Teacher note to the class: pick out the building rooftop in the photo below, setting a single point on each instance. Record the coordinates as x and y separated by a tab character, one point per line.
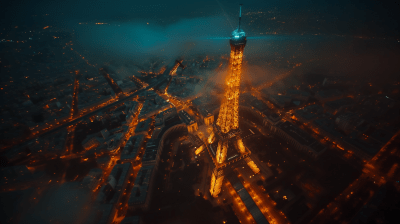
328	125
147	94
297	133
141	186
280	100
106	193
204	112
131	106
132	147
143	126
246	98
151	150
208	99
196	141
271	115
92	178
310	112
259	105
186	118
117	130
160	115
120	173
165	115
105	133
156	133
103	161
113	141
369	146
159	120
111	191
150	106
169	113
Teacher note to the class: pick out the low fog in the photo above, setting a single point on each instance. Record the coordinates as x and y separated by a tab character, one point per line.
132	46
343	38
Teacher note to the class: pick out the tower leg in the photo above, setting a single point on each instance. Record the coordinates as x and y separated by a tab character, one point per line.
221	151
211	138
216	182
240	145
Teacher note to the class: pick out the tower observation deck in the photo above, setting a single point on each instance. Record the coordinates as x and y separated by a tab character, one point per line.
226	133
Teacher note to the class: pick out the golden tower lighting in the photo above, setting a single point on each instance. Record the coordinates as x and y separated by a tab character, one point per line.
226	130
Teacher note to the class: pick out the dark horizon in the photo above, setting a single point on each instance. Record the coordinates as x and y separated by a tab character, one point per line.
155	113
365	18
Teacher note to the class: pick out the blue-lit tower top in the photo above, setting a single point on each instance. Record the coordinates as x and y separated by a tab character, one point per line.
238	35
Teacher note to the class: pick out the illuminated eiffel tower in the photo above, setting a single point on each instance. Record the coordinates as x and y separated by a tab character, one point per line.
225	144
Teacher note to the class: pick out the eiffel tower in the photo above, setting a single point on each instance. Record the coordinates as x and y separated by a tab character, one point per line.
225	145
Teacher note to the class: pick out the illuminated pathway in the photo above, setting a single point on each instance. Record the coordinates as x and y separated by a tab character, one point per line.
238	207
262	200
140	82
56	125
123	206
179	105
69	143
74	104
115	155
117	90
286	116
256	93
371	172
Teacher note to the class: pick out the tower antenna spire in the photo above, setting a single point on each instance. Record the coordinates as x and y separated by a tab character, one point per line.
226	132
240	15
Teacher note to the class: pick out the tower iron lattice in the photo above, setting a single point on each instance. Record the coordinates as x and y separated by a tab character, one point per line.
225	144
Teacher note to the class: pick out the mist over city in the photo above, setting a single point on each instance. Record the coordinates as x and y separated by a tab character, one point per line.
209	111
